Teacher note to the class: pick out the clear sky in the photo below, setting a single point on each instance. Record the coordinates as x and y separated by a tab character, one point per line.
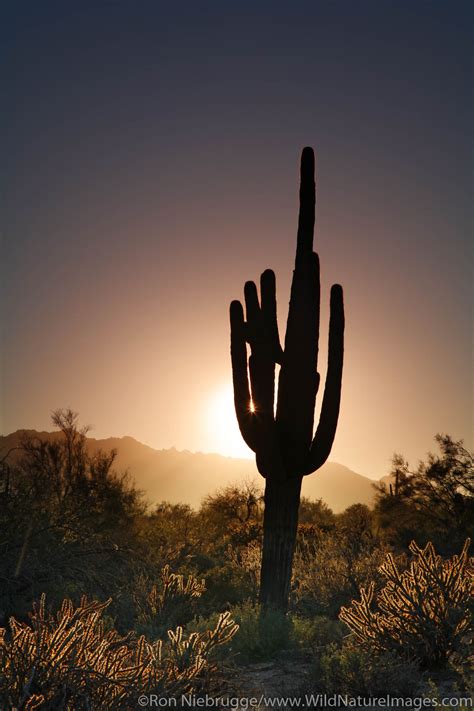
150	166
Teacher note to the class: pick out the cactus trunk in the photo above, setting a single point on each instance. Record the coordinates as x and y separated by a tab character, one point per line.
280	524
284	444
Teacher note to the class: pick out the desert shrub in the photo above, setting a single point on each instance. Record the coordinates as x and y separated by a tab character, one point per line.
69	661
356	671
165	603
171	534
318	633
235	503
315	513
262	635
246	563
434	502
227	585
231	516
67	521
330	567
422	612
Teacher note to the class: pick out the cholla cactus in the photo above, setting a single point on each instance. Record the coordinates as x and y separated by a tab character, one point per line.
71	662
164	603
422	612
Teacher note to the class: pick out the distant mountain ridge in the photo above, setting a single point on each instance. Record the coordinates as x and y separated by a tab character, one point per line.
187	477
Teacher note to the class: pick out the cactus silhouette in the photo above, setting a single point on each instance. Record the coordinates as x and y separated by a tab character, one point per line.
282	439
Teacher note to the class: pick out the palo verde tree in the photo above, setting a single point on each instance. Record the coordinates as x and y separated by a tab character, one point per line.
434	502
284	442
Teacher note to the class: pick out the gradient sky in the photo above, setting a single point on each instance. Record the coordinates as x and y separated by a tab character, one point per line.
150	160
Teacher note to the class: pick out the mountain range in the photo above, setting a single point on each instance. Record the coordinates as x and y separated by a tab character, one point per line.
187	477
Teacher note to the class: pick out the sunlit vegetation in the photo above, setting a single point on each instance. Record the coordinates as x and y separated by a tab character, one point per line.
421	612
161	604
128	598
74	661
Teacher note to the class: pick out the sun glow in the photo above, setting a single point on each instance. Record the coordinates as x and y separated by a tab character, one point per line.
222	424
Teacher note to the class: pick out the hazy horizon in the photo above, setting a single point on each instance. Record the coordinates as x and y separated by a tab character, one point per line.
165	474
151	162
250	457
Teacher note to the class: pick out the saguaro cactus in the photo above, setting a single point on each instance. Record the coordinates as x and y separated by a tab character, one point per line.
283	440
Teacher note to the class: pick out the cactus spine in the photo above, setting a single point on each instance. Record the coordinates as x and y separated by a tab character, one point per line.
284	445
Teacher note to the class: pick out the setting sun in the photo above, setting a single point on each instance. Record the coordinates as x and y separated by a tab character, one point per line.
222	424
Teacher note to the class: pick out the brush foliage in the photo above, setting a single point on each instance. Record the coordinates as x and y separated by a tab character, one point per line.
422	612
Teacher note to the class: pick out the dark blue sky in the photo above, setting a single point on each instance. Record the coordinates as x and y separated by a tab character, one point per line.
150	156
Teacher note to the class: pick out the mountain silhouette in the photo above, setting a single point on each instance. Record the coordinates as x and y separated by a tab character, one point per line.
187	477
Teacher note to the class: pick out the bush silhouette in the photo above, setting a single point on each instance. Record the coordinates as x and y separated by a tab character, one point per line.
67	521
434	502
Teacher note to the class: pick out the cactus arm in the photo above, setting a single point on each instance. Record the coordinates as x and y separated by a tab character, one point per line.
261	363
252	309
326	430
269	313
260	330
238	350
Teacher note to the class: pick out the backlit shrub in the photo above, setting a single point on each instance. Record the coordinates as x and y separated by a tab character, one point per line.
422	612
71	661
